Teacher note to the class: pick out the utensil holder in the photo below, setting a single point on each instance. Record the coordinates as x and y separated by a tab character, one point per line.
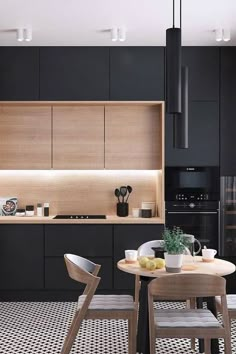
122	209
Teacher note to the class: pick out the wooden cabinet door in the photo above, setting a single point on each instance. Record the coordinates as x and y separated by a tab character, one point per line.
74	73
133	138
21	257
25	133
137	73
78	137
19	73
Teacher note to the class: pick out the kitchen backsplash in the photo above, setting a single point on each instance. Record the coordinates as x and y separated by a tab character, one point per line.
83	192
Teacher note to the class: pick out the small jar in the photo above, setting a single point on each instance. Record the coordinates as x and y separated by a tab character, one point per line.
39	209
29	210
20	212
46	209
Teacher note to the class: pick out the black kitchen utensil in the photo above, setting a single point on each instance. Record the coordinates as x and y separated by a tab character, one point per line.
123	192
117	194
129	189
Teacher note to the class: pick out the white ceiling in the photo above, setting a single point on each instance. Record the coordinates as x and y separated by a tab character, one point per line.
87	22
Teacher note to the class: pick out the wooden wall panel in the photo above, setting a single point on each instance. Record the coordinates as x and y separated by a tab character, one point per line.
25	133
78	137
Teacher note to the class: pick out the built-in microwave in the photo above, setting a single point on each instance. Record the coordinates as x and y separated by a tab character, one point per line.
192	183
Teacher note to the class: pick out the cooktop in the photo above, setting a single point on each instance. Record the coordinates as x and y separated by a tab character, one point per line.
78	216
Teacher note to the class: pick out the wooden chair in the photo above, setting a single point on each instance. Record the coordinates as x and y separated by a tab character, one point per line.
231	304
91	306
188	323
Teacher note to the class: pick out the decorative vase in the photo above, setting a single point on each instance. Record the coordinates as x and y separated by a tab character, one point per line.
173	262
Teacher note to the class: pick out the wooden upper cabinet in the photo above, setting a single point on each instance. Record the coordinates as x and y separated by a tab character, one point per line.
133	137
25	133
78	137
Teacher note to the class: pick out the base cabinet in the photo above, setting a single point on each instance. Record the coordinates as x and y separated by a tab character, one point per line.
21	257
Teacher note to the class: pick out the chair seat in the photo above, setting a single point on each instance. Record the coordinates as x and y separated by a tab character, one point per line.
109	302
187	318
231	302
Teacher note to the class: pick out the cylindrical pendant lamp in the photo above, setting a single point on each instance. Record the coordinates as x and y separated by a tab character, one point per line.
181	119
173	70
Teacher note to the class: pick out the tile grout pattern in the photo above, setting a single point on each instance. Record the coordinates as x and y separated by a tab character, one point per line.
40	327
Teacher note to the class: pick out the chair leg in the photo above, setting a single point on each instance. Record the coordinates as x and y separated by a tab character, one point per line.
227	341
72	333
207	345
132	330
192	305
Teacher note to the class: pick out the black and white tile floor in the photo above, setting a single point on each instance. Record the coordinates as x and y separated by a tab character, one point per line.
40	328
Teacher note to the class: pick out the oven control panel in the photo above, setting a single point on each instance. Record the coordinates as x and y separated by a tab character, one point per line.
192	196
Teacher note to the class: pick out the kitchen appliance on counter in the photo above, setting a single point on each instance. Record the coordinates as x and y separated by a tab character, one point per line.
192	197
78	216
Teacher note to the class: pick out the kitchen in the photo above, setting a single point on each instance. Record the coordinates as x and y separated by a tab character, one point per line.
44	84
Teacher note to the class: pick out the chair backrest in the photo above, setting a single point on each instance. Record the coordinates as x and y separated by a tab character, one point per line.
182	286
81	269
146	248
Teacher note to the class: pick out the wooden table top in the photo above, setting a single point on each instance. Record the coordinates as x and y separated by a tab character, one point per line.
217	267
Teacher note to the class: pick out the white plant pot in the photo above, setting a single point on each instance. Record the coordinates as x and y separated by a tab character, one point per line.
173	262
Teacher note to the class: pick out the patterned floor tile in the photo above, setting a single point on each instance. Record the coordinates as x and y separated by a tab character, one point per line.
40	328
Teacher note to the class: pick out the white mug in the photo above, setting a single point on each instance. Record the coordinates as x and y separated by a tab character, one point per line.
208	253
131	256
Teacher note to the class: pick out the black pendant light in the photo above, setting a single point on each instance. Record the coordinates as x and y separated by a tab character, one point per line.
181	119
173	66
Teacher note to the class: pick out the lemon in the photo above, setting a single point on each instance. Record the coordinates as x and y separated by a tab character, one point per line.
143	261
151	265
160	263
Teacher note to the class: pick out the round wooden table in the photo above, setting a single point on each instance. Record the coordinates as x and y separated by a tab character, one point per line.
217	267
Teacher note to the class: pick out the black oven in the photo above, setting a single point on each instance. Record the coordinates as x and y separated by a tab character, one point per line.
192	202
192	183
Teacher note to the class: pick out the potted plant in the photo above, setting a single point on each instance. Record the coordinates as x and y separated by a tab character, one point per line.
174	244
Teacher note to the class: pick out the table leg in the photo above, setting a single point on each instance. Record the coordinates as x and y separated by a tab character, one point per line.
143	323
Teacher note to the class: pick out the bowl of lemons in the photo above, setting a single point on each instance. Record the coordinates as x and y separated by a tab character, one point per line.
151	264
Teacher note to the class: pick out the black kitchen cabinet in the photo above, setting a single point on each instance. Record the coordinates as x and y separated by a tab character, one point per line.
137	73
19	73
74	73
203	64
21	257
203	137
131	237
227	112
84	240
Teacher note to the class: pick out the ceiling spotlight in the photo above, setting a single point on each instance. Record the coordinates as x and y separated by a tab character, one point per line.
114	34
219	34
28	34
122	34
226	34
20	34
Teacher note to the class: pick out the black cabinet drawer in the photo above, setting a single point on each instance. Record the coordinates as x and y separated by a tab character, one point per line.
131	237
57	278
19	73
21	257
83	240
74	73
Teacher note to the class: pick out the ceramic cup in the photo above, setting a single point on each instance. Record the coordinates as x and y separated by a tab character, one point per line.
131	256
135	212
208	254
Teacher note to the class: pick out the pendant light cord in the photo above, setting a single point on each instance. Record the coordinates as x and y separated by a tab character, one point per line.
173	13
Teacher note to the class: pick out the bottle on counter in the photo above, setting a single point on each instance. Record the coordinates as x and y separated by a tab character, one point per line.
39	209
46	209
29	210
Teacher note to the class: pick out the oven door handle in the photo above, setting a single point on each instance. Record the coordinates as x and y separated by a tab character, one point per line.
192	212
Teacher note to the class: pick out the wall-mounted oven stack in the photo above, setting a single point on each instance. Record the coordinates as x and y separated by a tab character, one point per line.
192	202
